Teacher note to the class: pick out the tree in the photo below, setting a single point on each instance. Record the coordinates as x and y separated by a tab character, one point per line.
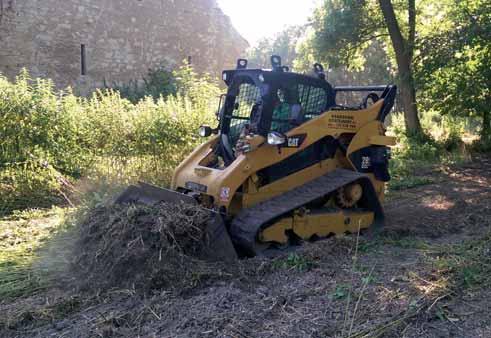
453	70
344	28
374	70
282	44
404	51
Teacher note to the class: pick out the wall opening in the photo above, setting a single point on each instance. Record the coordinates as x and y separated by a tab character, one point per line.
83	60
1	10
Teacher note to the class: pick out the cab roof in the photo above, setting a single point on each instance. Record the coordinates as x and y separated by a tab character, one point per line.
276	77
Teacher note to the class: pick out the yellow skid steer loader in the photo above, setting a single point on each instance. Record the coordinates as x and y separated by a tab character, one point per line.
286	162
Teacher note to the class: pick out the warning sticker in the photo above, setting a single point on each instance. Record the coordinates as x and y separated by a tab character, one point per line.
225	194
339	121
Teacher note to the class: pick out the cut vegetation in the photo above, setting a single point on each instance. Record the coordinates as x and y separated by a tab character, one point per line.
142	247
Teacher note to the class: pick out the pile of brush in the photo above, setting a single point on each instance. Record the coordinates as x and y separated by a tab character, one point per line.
143	247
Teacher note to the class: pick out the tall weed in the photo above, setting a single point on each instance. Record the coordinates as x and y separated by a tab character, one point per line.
442	142
50	137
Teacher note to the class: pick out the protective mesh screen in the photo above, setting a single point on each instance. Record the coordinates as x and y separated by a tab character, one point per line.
350	99
313	100
248	95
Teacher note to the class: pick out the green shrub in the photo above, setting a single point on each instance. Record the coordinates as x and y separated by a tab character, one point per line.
162	82
412	148
481	146
28	184
441	142
36	122
51	137
157	82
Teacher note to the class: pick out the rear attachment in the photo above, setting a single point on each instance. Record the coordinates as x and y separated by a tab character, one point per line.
220	247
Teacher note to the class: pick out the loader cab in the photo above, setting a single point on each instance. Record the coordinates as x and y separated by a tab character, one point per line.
260	101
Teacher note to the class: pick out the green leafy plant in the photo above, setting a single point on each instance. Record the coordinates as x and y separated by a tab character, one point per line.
340	292
417	154
52	139
294	261
158	82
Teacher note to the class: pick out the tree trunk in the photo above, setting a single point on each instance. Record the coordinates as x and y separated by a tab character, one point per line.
408	98
404	51
486	126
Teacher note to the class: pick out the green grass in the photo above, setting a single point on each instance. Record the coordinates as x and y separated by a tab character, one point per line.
404	242
407	182
407	243
467	264
294	261
21	236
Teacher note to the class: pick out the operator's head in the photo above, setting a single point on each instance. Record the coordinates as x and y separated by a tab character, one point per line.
282	95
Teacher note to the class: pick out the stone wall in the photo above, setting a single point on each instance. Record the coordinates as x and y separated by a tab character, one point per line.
122	38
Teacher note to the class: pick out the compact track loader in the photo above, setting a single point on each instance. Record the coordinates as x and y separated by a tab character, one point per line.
286	162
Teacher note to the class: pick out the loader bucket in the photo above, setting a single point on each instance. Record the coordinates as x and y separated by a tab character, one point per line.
219	248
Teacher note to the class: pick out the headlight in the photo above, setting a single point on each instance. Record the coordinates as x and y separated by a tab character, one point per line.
276	139
205	131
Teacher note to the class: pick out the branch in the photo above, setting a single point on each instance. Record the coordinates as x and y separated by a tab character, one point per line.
363	41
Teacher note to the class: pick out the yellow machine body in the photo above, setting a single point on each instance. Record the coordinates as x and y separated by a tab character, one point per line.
251	174
222	184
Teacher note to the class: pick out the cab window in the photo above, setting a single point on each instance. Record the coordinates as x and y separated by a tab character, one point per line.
248	96
296	104
313	100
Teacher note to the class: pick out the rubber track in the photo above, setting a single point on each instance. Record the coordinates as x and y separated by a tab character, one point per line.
247	224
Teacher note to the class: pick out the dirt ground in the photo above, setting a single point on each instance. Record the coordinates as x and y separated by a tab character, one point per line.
391	285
